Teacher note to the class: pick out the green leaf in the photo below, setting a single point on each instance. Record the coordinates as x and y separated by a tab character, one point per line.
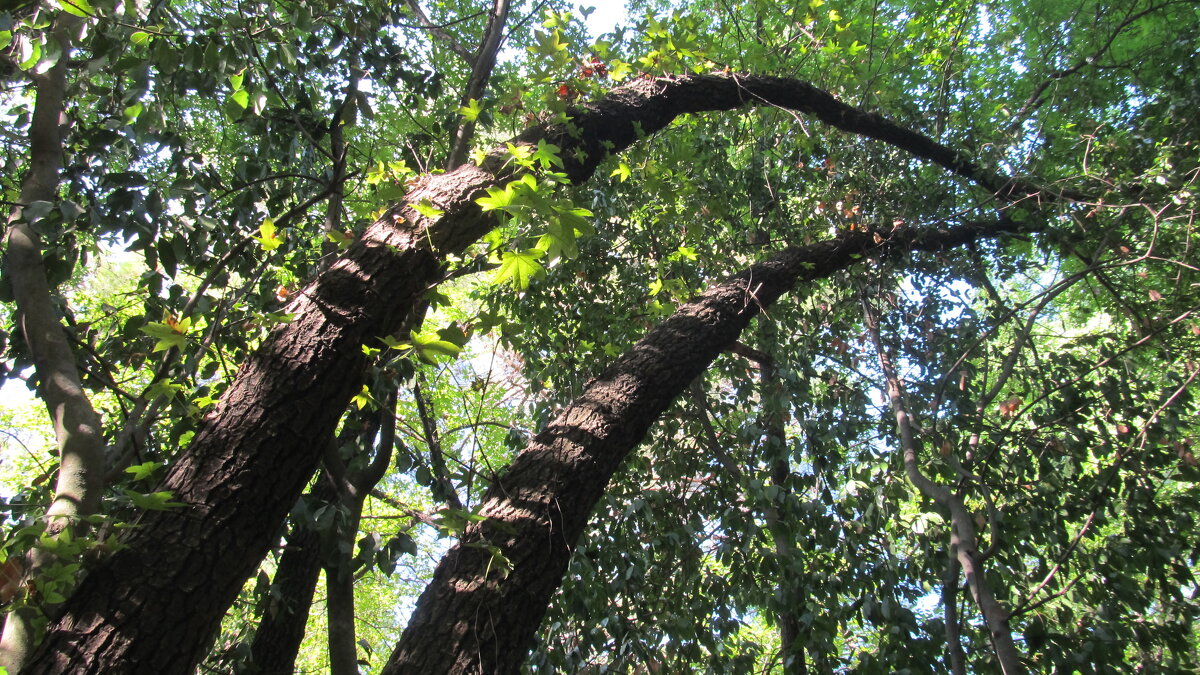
520	267
547	154
168	335
163	389
432	348
498	198
619	71
470	112
342	239
622	172
559	239
241	98
139	38
77	7
549	44
274	318
364	399
521	153
393	343
684	252
267	236
155	501
235	81
29	55
427	209
144	470
130	114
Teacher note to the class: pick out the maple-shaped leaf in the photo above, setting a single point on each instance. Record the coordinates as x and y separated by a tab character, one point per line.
267	235
520	267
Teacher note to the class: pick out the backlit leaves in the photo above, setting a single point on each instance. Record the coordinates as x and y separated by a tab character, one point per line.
520	267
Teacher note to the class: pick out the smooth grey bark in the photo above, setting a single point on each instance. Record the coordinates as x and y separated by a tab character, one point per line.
481	73
77	426
964	540
156	603
277	639
792	651
352	489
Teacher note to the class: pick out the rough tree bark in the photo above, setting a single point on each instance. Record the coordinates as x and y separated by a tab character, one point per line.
155	604
77	427
475	617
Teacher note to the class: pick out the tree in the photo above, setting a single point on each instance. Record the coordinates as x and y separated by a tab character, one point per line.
1047	428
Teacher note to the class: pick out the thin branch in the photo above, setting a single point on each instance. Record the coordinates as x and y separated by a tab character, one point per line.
1035	99
481	73
415	514
446	39
437	460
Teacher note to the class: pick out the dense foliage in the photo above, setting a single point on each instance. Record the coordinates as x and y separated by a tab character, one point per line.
802	506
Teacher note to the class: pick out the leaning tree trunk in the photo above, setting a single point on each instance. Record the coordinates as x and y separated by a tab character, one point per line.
490	591
77	426
154	605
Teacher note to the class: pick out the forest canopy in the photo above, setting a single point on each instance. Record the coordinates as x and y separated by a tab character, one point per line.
784	337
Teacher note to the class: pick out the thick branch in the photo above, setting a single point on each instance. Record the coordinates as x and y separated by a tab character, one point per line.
476	616
277	640
958	659
157	601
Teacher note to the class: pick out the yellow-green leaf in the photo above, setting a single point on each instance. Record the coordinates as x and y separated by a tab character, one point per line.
470	112
241	97
267	236
520	267
427	209
77	7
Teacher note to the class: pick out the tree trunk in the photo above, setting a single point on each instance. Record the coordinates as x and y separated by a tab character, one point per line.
773	422
490	591
964	545
481	73
77	426
963	538
155	604
277	640
958	658
339	601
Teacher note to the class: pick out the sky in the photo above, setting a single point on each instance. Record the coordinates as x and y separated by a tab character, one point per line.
604	16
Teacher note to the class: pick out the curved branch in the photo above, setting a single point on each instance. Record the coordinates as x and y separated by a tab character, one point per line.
474	616
256	450
963	537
